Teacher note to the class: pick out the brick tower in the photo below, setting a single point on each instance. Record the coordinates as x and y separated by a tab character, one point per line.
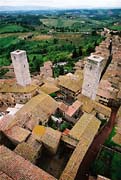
92	73
21	67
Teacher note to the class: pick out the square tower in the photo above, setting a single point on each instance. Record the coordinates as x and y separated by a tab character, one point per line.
92	74
21	67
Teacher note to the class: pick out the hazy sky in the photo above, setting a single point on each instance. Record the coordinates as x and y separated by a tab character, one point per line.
63	3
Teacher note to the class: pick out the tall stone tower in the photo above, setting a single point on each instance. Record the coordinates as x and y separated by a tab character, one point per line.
21	67
92	73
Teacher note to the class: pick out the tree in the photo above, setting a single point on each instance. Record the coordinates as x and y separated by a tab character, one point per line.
61	70
80	51
35	64
74	53
94	33
55	41
2	72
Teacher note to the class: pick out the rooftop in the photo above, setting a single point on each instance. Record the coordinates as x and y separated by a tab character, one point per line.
28	152
71	82
106	90
49	88
85	122
18	52
37	110
17	134
88	104
12	87
17	167
117	138
70	110
73	108
4	176
95	58
49	137
75	160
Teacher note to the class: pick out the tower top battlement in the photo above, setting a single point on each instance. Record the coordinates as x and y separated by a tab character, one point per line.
95	58
17	52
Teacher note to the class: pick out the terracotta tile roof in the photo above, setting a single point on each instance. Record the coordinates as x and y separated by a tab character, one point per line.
118	121
11	87
88	104
49	88
77	104
17	134
50	80
104	93
119	94
106	90
117	138
17	167
70	110
63	107
49	137
69	140
75	160
38	109
4	176
102	109
119	113
33	142
5	122
73	108
71	82
51	140
86	121
28	152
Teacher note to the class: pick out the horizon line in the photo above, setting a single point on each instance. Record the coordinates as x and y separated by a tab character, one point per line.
57	8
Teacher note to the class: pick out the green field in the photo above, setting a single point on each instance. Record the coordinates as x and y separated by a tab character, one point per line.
59	22
7	41
116	28
68	24
12	28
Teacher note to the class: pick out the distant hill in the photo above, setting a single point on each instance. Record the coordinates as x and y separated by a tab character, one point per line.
23	8
28	8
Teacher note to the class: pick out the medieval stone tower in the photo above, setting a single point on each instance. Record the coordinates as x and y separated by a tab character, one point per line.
21	67
92	73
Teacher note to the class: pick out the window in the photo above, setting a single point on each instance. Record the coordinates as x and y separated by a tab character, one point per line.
90	67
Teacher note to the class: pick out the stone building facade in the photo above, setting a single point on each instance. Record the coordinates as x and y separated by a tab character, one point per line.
92	73
21	67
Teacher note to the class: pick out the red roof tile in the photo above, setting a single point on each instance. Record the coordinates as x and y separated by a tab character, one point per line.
17	134
4	176
18	168
73	108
